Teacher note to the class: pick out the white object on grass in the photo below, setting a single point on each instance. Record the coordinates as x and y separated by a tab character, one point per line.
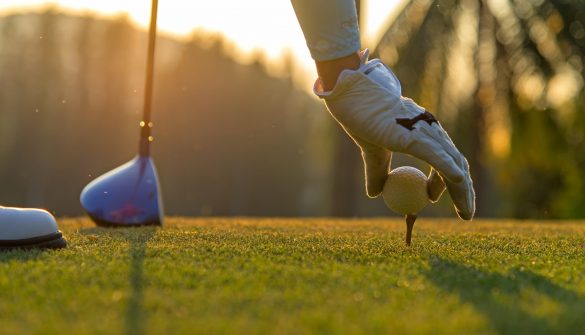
28	228
405	191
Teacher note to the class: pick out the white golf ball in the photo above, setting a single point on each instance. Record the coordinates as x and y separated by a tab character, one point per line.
405	190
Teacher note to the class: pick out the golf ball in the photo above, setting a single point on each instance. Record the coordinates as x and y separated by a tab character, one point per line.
405	190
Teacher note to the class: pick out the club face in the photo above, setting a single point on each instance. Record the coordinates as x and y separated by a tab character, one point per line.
126	196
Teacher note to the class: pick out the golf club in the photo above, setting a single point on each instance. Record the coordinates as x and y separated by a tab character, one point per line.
130	194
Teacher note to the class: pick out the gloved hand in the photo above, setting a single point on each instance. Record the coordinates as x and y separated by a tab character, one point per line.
368	104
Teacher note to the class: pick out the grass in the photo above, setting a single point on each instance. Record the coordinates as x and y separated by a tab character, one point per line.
299	276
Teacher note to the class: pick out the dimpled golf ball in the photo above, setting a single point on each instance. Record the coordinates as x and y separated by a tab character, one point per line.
405	190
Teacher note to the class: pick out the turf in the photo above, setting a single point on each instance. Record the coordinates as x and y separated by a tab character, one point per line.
301	276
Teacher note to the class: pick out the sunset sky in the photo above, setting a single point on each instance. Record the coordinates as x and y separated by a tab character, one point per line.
252	24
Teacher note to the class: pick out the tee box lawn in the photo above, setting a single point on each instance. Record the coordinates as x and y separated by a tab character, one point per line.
300	276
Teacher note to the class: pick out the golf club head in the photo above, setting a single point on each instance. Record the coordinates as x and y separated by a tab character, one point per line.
126	196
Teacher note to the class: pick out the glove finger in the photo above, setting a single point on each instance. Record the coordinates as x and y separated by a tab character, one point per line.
430	151
462	193
376	164
457	180
435	185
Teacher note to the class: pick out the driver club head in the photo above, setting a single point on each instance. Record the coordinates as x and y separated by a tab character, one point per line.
126	196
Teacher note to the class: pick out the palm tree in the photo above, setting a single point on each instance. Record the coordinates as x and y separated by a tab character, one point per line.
506	77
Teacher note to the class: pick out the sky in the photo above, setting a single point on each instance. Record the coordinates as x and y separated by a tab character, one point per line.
267	25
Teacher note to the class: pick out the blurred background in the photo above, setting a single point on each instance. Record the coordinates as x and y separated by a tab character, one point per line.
237	131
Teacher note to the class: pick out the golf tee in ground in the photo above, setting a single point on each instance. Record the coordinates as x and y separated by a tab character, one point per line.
410	219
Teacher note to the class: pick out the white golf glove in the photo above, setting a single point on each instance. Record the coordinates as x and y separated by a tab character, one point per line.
368	104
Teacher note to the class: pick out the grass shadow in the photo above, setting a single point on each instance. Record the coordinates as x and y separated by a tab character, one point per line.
138	238
135	315
500	297
135	312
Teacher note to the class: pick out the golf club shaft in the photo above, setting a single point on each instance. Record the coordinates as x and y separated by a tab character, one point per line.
146	124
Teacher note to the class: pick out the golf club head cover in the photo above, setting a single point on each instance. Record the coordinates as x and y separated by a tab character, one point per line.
369	105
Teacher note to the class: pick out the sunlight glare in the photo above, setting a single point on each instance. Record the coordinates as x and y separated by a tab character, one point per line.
253	25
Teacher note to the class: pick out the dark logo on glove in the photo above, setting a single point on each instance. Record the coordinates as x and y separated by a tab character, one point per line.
409	123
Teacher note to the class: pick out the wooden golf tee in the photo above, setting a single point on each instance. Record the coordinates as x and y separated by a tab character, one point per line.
409	224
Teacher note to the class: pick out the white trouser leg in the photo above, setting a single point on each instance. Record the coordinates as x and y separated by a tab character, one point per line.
330	27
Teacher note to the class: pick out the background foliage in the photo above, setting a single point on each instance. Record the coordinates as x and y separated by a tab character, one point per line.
505	77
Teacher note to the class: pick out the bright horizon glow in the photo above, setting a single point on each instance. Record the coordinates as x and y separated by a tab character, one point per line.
246	23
